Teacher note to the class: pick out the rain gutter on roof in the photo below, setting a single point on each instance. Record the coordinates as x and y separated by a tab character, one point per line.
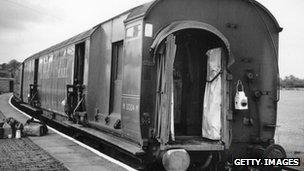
73	40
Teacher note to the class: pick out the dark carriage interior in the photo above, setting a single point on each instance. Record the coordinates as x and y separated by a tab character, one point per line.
189	74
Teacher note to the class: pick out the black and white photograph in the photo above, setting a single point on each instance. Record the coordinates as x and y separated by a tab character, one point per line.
151	85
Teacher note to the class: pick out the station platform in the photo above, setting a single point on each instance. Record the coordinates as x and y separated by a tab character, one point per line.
50	152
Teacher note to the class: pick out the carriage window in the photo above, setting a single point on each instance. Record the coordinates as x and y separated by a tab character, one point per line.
117	61
133	32
116	77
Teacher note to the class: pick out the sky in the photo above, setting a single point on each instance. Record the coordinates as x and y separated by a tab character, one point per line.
29	26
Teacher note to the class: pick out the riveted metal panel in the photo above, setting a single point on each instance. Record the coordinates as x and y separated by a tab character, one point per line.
99	71
55	72
18	82
28	78
132	81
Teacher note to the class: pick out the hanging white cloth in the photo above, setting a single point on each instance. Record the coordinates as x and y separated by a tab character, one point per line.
164	98
172	132
211	124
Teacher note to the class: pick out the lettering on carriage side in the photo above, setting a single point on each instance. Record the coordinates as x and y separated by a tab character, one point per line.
130	107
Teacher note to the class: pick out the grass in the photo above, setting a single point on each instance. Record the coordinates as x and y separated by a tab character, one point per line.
290	121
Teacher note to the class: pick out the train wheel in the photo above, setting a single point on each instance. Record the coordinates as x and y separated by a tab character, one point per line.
274	151
217	163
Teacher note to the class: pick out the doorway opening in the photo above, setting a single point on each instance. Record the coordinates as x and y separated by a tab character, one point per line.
116	78
75	96
189	79
189	62
79	63
34	96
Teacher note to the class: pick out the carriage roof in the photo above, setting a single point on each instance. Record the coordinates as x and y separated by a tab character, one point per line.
139	11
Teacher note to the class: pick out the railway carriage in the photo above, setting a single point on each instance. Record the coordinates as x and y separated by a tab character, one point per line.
160	81
6	85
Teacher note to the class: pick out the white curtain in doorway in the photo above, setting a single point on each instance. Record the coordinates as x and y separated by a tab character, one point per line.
164	97
211	124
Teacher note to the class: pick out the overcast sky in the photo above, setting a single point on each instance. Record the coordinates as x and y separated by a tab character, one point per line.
28	26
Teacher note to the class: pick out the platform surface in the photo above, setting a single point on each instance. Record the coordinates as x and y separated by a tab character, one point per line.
24	154
70	154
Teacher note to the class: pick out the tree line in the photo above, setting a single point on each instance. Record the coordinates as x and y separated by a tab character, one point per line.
8	70
291	82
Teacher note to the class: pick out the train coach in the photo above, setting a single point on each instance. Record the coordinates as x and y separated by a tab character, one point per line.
6	85
183	83
6	82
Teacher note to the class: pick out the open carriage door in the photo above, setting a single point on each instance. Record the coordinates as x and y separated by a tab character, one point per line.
214	99
164	97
